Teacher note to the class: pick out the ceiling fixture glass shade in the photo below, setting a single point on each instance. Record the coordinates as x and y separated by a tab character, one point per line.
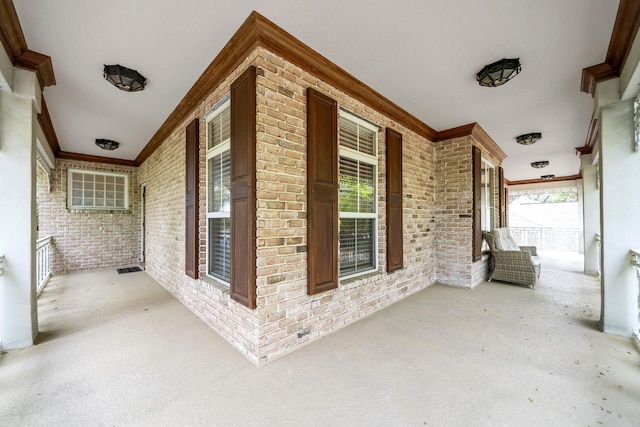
540	164
124	78
529	138
107	144
499	72
547	177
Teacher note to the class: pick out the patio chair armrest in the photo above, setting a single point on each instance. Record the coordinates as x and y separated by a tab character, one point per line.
518	256
531	249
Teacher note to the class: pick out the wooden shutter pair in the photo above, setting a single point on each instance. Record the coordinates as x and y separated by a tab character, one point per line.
243	191
322	194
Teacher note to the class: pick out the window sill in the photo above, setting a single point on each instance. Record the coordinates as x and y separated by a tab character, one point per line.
352	282
209	284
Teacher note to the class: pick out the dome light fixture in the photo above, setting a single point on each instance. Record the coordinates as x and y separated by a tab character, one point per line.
541	164
498	73
528	138
124	78
107	144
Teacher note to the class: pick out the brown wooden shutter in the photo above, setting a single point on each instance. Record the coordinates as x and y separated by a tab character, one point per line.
322	192
502	221
192	197
477	203
243	188
394	201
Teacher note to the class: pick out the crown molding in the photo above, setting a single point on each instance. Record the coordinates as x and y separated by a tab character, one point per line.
476	132
47	128
95	159
258	31
624	32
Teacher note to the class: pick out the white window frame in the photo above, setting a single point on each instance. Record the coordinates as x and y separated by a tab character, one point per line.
213	152
95	173
369	159
489	202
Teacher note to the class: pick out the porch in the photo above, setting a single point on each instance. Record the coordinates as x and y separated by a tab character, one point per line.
119	349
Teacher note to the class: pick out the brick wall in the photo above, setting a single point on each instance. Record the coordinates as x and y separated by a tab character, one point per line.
284	308
164	176
454	213
88	239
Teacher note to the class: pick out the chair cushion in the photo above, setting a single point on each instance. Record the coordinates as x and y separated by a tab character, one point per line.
504	241
535	260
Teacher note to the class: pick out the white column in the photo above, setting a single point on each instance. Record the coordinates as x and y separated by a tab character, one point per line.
619	208
18	121
591	217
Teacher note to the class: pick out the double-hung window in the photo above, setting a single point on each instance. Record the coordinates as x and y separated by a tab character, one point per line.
219	193
357	196
487	195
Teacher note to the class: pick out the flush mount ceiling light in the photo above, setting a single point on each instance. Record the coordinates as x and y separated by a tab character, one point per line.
498	73
529	138
107	144
124	78
547	177
540	164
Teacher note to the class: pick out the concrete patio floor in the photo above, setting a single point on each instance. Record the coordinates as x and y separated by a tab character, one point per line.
118	350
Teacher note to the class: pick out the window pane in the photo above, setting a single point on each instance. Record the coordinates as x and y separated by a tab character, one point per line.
357	186
220	248
348	191
357	245
366	188
366	141
220	183
348	133
219	129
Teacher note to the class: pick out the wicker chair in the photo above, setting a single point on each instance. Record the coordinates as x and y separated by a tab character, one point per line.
521	265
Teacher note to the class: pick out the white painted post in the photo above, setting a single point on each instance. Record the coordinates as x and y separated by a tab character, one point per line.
619	207
18	121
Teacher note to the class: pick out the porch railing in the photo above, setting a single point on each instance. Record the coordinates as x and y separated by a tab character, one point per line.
559	239
43	266
635	261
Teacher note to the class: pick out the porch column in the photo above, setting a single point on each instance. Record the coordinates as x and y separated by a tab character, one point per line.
591	216
18	122
619	208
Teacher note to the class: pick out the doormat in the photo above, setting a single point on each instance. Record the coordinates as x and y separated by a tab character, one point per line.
128	270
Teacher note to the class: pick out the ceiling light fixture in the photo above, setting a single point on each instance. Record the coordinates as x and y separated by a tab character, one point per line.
540	164
529	138
547	177
107	144
124	78
499	72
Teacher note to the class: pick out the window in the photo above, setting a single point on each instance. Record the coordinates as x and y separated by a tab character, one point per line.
97	190
487	195
357	195
219	193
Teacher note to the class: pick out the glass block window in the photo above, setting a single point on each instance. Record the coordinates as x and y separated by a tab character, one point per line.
88	189
219	193
357	196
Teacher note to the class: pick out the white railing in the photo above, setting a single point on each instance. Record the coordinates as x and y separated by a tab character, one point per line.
43	266
635	261
559	239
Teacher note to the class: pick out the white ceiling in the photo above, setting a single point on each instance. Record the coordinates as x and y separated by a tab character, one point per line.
422	55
